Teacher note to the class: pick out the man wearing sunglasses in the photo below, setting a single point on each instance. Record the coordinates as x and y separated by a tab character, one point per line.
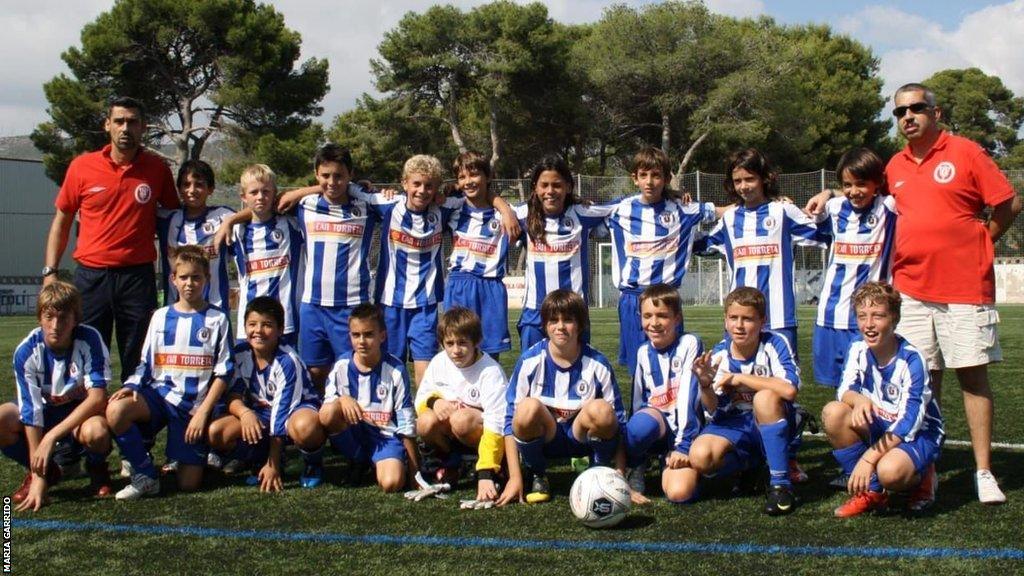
944	185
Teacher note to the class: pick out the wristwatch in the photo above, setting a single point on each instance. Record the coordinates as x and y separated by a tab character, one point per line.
48	270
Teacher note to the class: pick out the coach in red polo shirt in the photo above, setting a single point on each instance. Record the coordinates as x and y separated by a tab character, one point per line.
115	191
943	258
943	261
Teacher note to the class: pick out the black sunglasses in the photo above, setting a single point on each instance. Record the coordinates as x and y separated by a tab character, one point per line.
916	108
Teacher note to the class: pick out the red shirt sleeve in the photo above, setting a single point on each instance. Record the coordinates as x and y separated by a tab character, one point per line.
68	199
995	188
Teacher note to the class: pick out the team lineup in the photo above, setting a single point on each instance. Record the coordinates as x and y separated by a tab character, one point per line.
317	353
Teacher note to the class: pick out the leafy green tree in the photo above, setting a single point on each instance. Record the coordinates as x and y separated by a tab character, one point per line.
200	67
383	133
979	107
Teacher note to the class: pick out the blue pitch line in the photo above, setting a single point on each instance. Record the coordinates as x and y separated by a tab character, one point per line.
457	542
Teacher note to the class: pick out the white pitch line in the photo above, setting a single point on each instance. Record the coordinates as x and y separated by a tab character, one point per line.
995	445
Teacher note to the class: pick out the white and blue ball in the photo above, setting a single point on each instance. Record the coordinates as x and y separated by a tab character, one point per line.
599	497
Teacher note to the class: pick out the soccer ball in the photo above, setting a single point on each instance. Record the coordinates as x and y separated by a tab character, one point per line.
600	497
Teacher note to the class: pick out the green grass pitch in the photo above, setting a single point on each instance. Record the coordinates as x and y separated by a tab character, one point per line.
215	526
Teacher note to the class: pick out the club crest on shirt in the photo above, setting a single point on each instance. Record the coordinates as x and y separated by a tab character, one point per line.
944	172
356	212
769	223
277	236
892	392
667	218
473	393
143	193
208	228
677	364
431	218
73	371
493	225
382	391
567	222
203	334
871	221
760	370
582	387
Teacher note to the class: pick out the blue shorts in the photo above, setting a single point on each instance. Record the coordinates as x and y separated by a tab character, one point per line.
488	298
365	439
740	429
323	333
531	329
163	415
923	451
829	349
411	331
565	444
631	332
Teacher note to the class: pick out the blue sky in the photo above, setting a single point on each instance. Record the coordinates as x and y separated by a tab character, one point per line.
913	39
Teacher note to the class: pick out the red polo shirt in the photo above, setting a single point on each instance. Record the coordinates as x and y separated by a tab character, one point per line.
117	206
943	250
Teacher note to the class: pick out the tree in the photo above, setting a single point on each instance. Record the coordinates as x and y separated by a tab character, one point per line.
200	67
979	107
383	133
476	71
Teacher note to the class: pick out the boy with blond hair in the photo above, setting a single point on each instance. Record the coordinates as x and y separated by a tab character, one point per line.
266	251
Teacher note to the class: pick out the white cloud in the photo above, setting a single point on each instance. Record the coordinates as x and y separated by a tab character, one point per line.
347	33
912	48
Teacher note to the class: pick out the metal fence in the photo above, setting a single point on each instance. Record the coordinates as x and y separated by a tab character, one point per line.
28	207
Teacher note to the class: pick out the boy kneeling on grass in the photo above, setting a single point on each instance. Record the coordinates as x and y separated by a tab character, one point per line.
885	427
272	403
460	404
185	369
368	412
62	369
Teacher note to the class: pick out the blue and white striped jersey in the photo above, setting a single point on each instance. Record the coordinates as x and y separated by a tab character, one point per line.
383	393
46	378
562	260
563	390
183	353
652	243
281	387
664	380
175	229
861	252
410	272
337	249
773	359
900	391
479	242
758	246
267	255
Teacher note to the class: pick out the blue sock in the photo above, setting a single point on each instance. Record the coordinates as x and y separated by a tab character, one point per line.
874	485
94	458
532	452
314	458
17	451
603	451
775	437
642	431
134	451
849	456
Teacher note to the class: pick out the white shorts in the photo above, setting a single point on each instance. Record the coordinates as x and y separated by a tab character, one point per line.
951	335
